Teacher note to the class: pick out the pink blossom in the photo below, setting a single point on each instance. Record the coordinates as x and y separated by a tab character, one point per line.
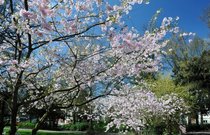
1	62
39	33
81	6
1	2
27	14
12	69
68	11
14	62
109	8
46	26
24	65
45	10
128	42
73	27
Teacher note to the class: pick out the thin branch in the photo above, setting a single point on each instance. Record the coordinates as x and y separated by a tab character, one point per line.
63	38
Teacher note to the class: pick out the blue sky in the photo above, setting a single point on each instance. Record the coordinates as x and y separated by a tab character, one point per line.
189	12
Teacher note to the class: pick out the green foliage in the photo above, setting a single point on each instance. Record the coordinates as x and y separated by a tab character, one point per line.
195	72
182	57
99	126
26	124
190	62
78	126
83	126
58	133
163	84
179	50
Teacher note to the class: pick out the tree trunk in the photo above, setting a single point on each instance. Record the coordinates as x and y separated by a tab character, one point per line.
90	128
15	106
201	119
51	123
197	119
30	118
13	128
189	120
1	128
39	123
74	117
2	114
169	127
136	133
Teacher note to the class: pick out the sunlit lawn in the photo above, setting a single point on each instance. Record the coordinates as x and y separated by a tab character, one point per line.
44	132
49	132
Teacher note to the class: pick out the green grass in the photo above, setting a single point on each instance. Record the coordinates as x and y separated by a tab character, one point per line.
49	132
44	132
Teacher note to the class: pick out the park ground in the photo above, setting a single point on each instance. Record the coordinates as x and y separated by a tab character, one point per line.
51	132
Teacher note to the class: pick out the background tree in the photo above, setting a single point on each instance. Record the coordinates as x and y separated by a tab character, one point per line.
206	16
169	87
181	51
195	72
181	47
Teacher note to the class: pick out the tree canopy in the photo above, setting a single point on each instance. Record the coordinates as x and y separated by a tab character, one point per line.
53	50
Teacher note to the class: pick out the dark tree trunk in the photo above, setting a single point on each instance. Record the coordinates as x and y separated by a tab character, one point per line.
2	114
189	120
1	128
169	127
39	123
30	118
15	105
74	117
197	119
49	126
201	119
90	128
13	128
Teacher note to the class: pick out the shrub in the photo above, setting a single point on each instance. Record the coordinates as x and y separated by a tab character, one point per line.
78	126
26	124
81	126
99	126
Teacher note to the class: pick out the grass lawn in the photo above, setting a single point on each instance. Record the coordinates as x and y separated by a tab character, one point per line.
50	132
45	132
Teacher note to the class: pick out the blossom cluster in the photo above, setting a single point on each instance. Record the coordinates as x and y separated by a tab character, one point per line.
131	107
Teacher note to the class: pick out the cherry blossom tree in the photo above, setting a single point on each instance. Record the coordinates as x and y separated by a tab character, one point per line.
134	108
52	50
